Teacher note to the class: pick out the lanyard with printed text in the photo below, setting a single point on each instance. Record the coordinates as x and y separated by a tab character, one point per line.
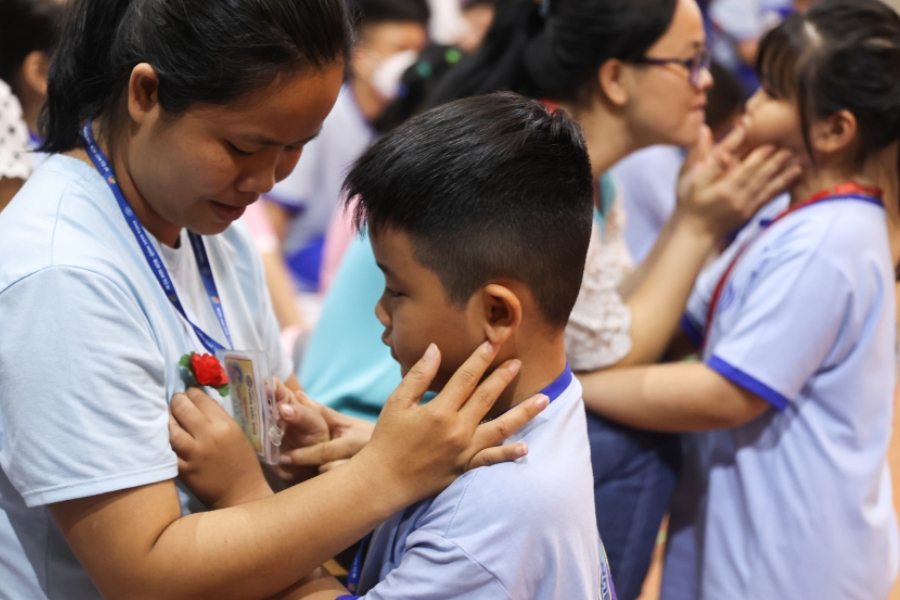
153	259
846	191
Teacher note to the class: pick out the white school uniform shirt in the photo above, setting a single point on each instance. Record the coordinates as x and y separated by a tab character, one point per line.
797	503
525	529
89	350
314	186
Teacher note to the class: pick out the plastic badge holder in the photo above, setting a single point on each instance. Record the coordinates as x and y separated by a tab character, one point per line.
252	393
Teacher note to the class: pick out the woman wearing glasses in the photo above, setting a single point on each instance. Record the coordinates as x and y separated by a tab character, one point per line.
633	73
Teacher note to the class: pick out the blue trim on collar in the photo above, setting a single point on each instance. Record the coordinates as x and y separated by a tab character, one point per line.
559	384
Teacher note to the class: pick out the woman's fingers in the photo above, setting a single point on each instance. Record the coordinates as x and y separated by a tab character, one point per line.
482	399
489	435
320	454
416	382
459	389
185	411
493	433
500	454
180	440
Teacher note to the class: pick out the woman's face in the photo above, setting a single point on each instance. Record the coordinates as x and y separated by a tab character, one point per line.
663	106
201	169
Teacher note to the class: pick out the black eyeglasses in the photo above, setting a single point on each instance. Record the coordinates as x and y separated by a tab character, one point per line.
695	64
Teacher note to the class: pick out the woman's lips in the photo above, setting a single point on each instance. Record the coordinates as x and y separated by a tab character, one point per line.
227	212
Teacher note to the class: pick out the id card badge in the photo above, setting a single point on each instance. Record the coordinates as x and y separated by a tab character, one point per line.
252	393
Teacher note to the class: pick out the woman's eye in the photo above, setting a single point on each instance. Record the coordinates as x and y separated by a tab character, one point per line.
237	150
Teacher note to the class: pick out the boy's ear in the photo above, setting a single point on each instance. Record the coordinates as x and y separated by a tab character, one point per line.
834	133
502	312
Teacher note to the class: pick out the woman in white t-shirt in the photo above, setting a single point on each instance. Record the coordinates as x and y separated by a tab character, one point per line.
166	119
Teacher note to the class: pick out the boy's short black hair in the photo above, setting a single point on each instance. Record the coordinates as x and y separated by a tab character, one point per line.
486	187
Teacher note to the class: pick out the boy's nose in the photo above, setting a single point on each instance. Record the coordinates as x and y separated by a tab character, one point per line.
381	313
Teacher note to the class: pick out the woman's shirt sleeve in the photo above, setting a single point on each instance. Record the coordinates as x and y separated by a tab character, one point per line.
83	391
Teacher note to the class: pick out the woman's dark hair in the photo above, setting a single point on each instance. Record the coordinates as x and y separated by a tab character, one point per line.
26	26
841	55
555	47
204	51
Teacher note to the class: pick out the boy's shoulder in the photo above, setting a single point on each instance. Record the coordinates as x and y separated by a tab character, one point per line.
508	520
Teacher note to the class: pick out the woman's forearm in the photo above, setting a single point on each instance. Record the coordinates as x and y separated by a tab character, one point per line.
658	291
249	551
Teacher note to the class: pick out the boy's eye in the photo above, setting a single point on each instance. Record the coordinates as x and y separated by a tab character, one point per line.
392	293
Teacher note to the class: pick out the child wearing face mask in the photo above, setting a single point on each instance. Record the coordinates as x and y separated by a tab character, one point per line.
390	35
786	491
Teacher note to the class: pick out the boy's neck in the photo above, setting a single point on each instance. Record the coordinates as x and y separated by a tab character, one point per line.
541	365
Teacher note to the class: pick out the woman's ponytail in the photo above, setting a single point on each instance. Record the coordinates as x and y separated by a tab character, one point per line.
82	82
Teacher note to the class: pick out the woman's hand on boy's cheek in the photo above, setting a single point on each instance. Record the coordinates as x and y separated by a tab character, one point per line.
215	458
348	435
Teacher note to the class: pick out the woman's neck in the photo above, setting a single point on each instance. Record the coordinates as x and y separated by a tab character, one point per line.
608	137
167	233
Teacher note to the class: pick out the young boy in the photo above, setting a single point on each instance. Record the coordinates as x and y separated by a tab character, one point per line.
479	214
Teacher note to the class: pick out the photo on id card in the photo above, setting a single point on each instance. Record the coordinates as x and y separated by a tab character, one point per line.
252	393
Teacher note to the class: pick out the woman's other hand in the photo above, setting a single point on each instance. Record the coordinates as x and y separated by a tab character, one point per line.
215	458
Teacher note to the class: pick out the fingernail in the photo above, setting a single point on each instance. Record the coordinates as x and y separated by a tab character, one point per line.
487	347
520	450
542	401
514	366
431	353
285	459
286	410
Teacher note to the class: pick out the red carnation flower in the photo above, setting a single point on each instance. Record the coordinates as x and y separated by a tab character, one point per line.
205	369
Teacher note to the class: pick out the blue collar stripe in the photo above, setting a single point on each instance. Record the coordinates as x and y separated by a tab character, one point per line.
153	259
559	385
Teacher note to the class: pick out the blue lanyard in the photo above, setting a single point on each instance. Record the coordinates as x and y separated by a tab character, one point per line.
153	259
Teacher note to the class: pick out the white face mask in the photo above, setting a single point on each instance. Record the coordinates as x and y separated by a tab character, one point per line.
386	76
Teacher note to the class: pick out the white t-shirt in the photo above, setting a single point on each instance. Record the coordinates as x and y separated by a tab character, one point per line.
797	503
15	160
89	351
314	187
525	529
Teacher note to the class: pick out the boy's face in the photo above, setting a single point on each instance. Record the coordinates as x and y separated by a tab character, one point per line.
415	311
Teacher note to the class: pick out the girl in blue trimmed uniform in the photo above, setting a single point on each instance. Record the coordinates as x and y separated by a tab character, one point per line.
786	491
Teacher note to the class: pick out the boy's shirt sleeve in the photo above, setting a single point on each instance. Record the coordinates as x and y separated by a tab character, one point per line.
434	568
772	337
